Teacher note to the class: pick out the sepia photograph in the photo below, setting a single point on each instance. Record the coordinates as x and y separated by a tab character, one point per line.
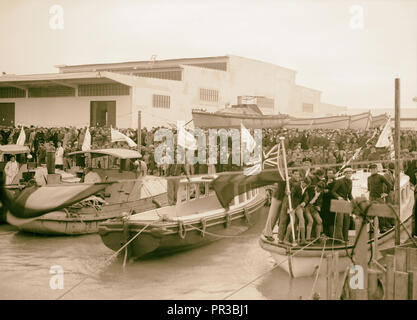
208	154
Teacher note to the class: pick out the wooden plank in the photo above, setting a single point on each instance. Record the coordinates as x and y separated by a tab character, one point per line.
411	258
389	277
400	259
376	210
373	283
329	260
361	257
335	275
341	206
412	284
401	285
381	210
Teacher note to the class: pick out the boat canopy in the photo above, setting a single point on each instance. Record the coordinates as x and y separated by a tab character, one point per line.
117	153
13	149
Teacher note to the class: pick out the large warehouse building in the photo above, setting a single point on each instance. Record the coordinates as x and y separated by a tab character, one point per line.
164	90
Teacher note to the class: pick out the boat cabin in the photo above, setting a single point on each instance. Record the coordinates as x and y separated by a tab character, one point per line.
200	188
110	164
197	198
20	152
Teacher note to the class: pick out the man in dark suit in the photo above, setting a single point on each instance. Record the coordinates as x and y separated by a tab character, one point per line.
327	216
376	184
342	190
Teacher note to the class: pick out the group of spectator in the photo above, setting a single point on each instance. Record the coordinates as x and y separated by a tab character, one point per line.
319	146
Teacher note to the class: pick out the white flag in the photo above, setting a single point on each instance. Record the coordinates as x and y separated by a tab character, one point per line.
253	170
385	139
247	139
22	138
87	141
118	136
185	139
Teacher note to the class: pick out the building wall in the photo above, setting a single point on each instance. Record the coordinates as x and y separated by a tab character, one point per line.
66	111
257	78
331	109
305	95
244	77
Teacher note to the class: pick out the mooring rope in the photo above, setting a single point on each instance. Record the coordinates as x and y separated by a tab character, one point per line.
265	273
318	270
109	259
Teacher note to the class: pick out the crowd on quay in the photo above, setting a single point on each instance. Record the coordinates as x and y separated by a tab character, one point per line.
330	146
311	188
319	146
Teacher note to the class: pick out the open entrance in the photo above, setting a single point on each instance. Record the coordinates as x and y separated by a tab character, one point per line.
7	114
102	113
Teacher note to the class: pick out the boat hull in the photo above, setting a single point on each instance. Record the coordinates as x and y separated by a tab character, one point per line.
305	263
170	236
87	220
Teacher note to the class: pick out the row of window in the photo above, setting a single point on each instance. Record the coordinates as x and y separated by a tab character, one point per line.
162	101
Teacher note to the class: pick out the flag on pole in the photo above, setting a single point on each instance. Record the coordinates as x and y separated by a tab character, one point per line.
249	144
87	141
118	136
369	122
229	186
22	138
185	138
247	139
385	139
35	201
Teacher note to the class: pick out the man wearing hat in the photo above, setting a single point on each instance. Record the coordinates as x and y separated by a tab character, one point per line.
342	190
376	183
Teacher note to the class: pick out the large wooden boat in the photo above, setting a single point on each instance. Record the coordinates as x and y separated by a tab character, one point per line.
251	117
131	193
301	261
248	115
198	218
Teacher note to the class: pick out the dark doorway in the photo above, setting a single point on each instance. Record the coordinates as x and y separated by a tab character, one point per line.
102	113
7	114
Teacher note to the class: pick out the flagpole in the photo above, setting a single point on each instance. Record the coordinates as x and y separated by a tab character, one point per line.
139	134
288	190
397	157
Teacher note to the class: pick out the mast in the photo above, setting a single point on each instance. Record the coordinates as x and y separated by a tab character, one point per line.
288	190
139	131
397	159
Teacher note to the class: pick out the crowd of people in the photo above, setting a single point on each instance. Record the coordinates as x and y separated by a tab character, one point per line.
311	192
311	189
330	146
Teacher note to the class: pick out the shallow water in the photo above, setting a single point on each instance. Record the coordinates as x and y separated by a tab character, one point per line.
214	271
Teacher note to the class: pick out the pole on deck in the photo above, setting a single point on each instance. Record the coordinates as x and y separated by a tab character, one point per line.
397	158
139	130
288	190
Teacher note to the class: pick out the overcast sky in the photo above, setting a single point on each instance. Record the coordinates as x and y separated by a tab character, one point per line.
320	39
